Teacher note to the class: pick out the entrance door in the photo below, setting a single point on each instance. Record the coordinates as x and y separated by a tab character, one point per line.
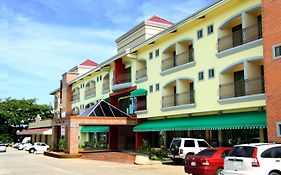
239	83
237	35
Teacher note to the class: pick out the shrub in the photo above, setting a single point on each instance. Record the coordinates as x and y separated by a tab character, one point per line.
145	147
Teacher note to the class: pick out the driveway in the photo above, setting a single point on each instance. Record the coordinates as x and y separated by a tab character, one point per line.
15	162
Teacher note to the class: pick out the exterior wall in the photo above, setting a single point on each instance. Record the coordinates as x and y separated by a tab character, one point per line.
40	124
272	36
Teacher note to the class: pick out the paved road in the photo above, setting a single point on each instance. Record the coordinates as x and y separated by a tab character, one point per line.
15	162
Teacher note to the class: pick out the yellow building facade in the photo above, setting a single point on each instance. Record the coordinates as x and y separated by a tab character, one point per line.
209	64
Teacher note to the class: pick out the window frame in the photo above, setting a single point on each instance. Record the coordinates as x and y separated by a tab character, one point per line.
157	87
278	129
150	55
211	25
273	51
199	73
199	31
150	88
212	69
157	53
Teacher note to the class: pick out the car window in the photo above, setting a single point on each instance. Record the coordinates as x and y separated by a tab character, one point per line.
272	153
176	143
206	152
224	153
242	151
189	143
203	144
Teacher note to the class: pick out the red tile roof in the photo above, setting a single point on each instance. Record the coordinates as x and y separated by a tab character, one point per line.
89	63
159	20
33	131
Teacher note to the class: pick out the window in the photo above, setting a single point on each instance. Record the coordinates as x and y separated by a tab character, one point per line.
203	144
150	88
277	51
224	153
210	29
98	79
278	129
157	87
242	151
201	76
272	153
206	152
157	53
211	73
189	143
199	34
150	55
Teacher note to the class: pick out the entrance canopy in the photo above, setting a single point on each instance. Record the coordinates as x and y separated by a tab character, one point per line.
249	120
103	108
44	131
94	129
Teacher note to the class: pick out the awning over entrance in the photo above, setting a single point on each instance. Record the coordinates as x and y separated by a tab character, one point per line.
138	92
44	131
94	129
105	109
248	120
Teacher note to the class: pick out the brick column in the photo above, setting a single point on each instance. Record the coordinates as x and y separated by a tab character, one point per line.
72	131
55	135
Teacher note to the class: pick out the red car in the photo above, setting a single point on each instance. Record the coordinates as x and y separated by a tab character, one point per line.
207	162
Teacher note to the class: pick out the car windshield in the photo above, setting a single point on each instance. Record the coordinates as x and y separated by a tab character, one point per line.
242	151
206	152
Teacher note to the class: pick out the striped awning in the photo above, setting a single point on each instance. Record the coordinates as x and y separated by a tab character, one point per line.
44	131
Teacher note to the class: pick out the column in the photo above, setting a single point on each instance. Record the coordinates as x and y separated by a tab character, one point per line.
220	135
261	135
72	131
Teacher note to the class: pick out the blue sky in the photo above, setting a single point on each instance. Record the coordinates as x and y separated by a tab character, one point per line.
42	39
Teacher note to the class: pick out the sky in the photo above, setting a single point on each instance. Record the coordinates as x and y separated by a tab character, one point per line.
42	39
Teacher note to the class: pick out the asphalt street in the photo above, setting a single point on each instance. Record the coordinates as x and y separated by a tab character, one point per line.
15	162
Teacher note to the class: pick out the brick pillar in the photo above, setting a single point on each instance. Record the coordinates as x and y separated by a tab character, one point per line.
56	134
271	15
72	131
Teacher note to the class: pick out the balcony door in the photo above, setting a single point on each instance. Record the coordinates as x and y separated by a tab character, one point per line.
237	35
239	85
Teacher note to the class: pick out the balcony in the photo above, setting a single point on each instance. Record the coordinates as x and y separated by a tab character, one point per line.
141	73
105	86
122	81
240	37
175	61
90	92
242	88
75	98
178	99
141	105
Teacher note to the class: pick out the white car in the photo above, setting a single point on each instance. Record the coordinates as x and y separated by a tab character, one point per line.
38	147
22	146
2	147
182	147
253	159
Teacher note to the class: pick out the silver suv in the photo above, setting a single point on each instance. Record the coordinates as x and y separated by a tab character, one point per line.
180	148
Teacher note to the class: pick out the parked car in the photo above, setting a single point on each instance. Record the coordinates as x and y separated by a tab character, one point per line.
38	147
22	146
180	148
257	159
207	162
2	147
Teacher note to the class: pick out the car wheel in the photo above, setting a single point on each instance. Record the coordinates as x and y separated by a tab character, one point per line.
32	150
273	173
219	171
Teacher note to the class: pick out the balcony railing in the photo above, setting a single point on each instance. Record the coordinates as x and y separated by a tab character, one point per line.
90	92
178	60
105	85
178	99
124	78
141	73
141	105
240	37
75	97
242	88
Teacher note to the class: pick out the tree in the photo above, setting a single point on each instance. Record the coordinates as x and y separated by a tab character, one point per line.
14	114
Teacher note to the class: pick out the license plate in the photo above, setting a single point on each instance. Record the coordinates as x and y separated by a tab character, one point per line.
237	164
193	164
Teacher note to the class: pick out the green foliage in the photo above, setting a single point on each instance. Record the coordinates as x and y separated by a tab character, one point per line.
90	144
62	144
145	148
14	114
5	138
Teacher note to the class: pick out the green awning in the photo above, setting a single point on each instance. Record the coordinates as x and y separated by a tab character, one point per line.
94	129
247	120
138	92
